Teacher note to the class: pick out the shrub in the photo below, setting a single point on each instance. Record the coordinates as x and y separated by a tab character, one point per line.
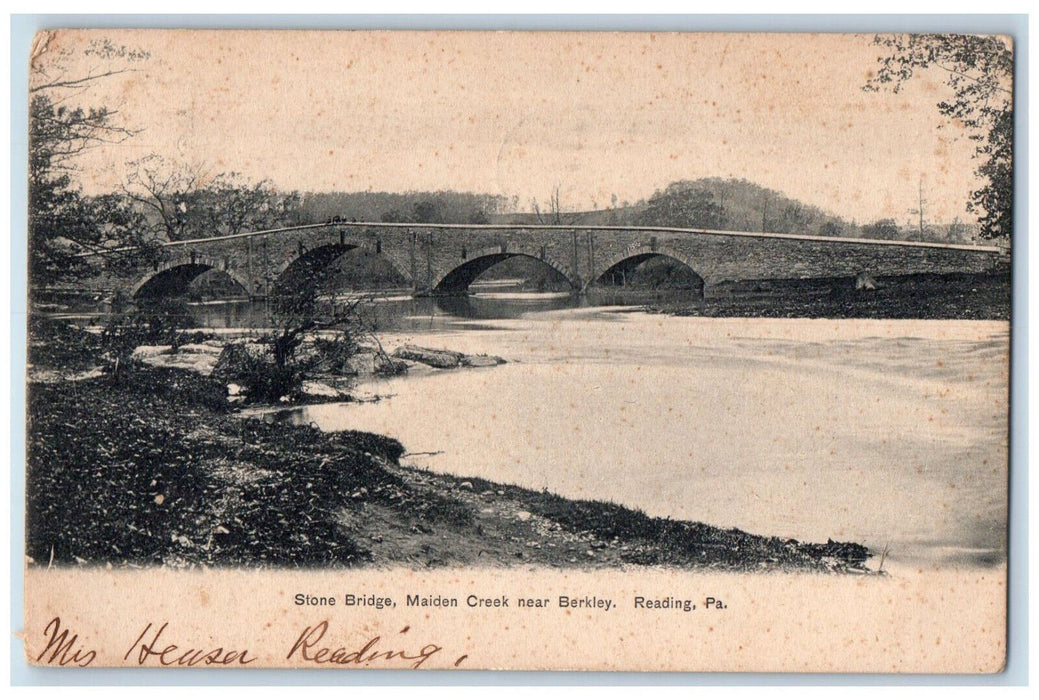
55	344
334	354
267	381
153	322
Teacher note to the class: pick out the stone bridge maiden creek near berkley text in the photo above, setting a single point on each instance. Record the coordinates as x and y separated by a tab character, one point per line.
447	258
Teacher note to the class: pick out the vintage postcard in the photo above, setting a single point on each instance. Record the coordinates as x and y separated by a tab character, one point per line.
518	350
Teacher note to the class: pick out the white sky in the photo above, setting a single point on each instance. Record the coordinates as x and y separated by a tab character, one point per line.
518	114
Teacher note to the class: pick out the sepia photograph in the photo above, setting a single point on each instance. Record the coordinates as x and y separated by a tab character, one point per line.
518	350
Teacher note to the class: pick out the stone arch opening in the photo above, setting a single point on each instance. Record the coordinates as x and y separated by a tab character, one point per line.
652	270
321	263
458	279
175	280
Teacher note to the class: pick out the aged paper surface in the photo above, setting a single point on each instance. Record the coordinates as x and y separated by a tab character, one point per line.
527	351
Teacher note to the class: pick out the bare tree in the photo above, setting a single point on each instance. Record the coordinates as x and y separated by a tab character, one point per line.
168	192
554	215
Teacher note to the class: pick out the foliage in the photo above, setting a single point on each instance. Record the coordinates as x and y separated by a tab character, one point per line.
979	71
334	353
62	223
302	304
794	217
59	345
831	228
884	229
233	204
683	204
154	322
407	207
124	232
267	382
166	191
438	209
994	202
181	201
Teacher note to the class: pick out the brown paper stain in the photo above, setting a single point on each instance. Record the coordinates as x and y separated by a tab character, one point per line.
39	45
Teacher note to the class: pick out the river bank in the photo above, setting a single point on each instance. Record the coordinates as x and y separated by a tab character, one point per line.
156	468
961	295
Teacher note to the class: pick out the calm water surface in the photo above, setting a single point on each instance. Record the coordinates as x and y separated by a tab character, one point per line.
890	433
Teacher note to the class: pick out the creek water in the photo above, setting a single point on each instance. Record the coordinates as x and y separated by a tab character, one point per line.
888	433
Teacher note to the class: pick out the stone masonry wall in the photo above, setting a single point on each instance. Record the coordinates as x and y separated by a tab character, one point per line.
425	256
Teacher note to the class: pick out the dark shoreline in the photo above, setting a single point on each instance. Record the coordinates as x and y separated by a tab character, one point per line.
922	296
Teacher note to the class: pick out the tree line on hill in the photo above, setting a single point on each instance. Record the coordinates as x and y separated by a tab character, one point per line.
731	204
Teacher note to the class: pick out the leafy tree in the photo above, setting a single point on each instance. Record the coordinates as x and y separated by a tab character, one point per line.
452	207
831	228
62	223
393	216
181	204
301	305
885	229
157	322
979	71
794	217
427	212
113	217
233	204
683	204
286	209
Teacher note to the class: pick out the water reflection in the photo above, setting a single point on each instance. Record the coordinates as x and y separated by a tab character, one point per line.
390	310
399	311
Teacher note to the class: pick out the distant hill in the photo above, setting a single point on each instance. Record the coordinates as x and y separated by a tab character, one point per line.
741	205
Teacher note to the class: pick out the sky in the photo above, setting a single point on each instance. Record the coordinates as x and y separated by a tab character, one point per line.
606	118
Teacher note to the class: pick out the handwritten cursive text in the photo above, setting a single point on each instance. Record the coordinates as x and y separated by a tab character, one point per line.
175	655
308	648
63	648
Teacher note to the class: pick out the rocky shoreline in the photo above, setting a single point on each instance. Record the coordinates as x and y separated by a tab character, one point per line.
961	295
329	380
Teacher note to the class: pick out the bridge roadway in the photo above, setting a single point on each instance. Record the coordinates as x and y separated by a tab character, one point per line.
446	258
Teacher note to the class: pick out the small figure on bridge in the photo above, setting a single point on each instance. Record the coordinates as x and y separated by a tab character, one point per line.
865	281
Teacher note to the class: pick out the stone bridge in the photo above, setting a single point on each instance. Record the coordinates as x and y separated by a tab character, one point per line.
446	258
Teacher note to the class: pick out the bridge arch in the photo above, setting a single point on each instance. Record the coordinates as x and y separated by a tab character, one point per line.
174	277
457	279
626	261
309	262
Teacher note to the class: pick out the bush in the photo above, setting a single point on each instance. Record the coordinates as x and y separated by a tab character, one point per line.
154	322
266	381
61	345
334	354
